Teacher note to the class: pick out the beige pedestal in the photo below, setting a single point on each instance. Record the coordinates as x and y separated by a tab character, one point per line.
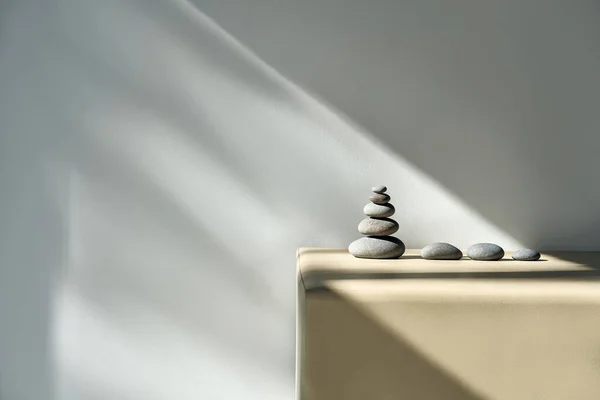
416	329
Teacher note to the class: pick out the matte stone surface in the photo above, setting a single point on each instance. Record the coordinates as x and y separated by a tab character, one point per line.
526	255
377	247
379	189
379	210
485	252
441	251
379	198
377	226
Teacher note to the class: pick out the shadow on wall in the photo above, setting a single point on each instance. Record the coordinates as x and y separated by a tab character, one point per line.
33	221
32	242
498	101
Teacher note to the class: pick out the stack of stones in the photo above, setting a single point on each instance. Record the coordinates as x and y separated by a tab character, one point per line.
377	229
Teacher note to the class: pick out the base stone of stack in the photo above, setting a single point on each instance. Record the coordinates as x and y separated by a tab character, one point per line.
377	247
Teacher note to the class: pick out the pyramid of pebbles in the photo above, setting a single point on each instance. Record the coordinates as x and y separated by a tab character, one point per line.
377	229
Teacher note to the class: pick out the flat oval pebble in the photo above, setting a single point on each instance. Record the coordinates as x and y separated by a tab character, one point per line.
379	210
379	198
379	189
485	252
526	255
377	247
441	251
377	226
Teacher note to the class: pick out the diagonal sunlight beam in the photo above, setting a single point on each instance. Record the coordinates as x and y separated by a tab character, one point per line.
306	121
349	139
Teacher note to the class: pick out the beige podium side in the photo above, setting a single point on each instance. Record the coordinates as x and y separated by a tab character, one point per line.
417	329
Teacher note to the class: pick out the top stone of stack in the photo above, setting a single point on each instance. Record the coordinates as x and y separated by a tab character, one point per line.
379	196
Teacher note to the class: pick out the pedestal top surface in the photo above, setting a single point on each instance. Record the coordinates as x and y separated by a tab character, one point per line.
316	266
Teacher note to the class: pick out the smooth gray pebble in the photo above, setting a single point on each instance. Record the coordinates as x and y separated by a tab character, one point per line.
441	251
526	255
377	226
377	247
379	198
485	252
379	210
379	189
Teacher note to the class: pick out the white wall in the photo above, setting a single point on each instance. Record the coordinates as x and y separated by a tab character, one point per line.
162	160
